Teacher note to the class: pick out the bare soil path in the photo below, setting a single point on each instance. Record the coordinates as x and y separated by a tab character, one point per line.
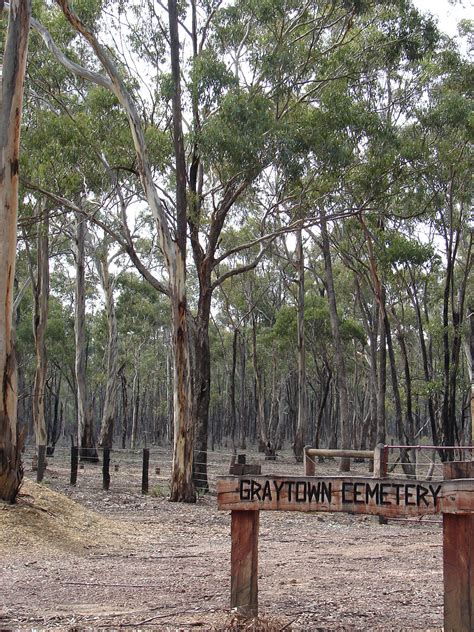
84	559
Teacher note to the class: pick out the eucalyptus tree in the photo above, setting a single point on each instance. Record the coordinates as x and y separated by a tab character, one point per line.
40	282
445	124
15	46
231	120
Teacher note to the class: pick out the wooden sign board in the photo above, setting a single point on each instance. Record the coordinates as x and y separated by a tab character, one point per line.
382	497
245	496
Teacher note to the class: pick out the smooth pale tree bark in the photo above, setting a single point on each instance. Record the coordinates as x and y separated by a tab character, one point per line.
40	320
182	485
111	387
242	400
85	434
172	249
261	425
135	402
11	98
302	420
340	364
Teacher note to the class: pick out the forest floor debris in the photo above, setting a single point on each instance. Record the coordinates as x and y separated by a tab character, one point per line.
85	559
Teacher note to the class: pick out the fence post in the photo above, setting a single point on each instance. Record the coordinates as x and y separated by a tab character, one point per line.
380	461
309	464
244	562
458	559
41	463
106	469
74	464
146	460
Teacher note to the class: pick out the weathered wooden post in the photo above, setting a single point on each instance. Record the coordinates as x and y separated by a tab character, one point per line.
244	562
74	464
146	461
106	469
309	464
380	461
41	463
458	554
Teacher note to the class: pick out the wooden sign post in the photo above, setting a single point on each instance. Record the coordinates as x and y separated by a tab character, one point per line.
246	496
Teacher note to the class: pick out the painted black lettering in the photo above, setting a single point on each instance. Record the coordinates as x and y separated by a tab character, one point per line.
278	488
255	490
384	493
314	492
290	485
267	492
435	492
345	490
408	495
421	492
301	492
244	489
326	491
372	492
398	487
358	493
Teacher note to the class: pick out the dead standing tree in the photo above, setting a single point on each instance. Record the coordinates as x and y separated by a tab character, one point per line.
11	98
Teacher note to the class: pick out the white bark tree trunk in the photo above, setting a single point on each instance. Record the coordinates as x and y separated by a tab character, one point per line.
110	403
182	486
339	360
302	422
11	98
85	436
41	295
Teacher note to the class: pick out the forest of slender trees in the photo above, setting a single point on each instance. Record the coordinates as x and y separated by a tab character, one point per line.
233	224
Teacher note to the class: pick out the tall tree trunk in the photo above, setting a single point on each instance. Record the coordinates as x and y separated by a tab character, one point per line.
182	485
135	404
243	400
40	319
469	351
427	364
302	421
233	405
110	403
410	424
123	383
85	434
11	97
341	379
382	375
202	383
260	423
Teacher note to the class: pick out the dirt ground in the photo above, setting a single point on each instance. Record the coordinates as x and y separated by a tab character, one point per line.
84	559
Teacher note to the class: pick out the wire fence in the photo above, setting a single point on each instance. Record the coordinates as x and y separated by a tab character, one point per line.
138	471
424	462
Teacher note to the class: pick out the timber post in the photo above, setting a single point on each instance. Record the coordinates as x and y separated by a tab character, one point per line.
244	562
41	463
106	469
146	461
245	495
380	461
74	464
309	464
458	558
